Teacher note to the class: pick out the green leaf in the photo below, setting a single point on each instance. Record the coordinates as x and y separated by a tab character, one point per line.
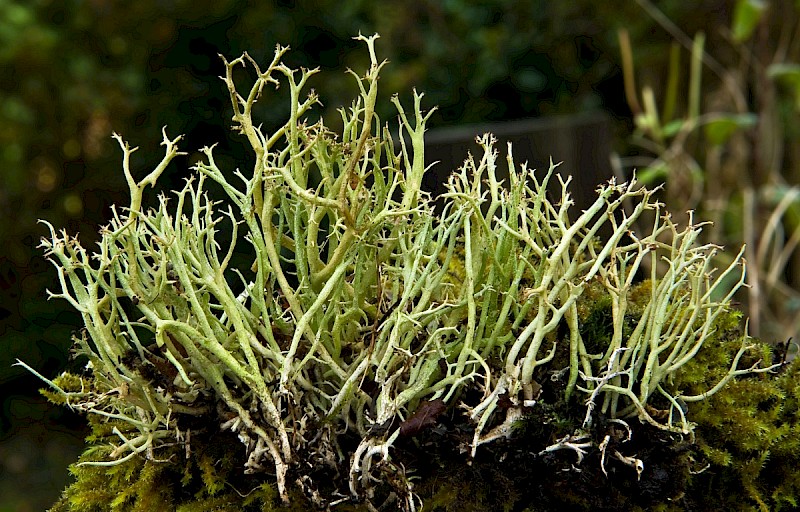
653	175
746	16
787	73
720	129
673	127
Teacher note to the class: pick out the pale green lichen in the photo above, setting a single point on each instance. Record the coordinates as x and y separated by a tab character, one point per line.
359	302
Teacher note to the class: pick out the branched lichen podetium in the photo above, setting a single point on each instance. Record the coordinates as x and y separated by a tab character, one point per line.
350	317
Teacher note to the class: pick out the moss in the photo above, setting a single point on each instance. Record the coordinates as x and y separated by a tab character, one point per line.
210	479
68	382
748	432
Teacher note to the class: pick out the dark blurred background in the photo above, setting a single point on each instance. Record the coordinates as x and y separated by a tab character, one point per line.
546	75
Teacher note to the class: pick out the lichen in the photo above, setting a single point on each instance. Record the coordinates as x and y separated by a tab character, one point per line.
368	331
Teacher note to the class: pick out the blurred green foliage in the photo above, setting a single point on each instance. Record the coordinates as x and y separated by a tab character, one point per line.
721	130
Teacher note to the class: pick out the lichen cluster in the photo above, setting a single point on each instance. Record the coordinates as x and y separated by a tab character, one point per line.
365	318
